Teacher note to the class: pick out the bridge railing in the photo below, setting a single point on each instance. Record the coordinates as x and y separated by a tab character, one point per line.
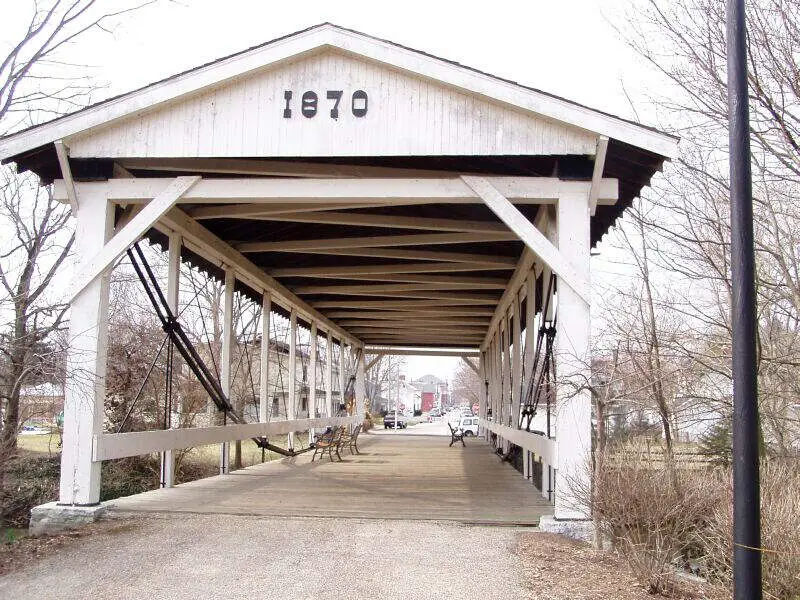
120	445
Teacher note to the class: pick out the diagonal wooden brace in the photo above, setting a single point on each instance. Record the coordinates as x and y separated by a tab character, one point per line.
471	365
532	237
130	233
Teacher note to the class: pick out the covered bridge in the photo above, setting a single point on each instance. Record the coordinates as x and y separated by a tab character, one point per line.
386	199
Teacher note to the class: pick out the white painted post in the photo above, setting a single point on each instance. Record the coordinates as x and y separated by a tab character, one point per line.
85	386
329	375
498	354
361	384
516	362
507	377
173	288
341	375
573	421
263	391
292	373
312	379
548	470
482	389
530	343
498	371
226	357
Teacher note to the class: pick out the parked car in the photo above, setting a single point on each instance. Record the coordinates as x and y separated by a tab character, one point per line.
388	421
434	414
469	425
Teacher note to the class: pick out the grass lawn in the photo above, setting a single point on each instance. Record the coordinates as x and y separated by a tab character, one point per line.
251	454
47	443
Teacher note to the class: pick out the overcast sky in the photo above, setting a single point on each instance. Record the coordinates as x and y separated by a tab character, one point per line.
568	47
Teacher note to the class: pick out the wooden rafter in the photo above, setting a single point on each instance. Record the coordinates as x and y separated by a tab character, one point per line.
402	305
418	323
386	221
465	298
417	313
380	288
270	168
478	283
432	255
250	211
378	241
426	267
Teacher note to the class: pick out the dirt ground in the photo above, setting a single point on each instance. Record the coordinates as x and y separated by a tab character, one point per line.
548	567
557	568
22	550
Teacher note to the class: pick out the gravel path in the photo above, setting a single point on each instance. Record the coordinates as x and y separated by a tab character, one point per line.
199	557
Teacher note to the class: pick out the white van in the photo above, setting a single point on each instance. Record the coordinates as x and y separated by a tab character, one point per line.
469	425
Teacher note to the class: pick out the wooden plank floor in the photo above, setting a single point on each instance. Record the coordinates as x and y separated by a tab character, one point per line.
394	477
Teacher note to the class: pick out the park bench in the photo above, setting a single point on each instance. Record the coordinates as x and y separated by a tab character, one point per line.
350	439
456	435
329	442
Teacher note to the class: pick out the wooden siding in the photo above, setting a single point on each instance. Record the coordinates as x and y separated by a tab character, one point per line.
406	116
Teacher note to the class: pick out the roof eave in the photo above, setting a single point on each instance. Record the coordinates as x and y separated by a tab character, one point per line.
359	44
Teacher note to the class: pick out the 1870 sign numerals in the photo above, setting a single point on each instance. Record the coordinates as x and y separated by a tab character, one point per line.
309	103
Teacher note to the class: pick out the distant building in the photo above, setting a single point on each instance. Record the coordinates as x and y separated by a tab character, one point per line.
43	402
434	392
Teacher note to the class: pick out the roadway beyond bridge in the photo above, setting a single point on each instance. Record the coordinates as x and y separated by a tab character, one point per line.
394	477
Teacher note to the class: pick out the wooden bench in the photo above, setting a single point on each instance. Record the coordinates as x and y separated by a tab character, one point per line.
329	442
456	435
350	439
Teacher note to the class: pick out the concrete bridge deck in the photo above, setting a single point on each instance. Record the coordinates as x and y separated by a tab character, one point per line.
394	477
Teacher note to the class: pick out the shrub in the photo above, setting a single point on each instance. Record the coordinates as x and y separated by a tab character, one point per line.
780	531
28	481
652	520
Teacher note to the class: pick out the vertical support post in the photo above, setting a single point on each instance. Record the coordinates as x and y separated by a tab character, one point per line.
292	373
361	385
173	289
226	357
574	412
329	375
263	387
341	375
482	388
508	383
85	386
516	362
312	379
747	581
498	377
530	343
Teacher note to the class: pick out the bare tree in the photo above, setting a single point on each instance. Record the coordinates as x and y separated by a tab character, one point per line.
38	243
38	81
385	370
466	385
687	216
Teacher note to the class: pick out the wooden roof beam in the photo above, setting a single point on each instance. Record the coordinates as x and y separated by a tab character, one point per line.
379	289
478	283
402	253
386	221
254	211
378	241
269	190
343	272
465	298
420	313
402	305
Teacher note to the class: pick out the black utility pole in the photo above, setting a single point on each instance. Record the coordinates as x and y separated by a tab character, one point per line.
746	508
